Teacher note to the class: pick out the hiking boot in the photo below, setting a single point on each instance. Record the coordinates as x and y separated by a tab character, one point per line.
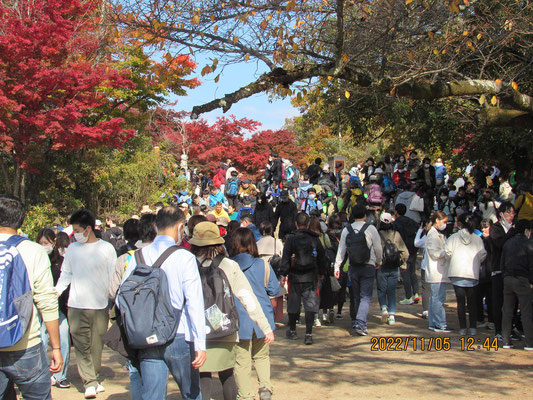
264	394
391	320
384	315
408	301
63	384
291	335
308	339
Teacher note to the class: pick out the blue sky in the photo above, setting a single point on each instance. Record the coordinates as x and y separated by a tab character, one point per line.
258	107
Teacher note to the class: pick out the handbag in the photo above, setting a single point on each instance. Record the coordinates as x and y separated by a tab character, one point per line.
417	203
335	285
275	260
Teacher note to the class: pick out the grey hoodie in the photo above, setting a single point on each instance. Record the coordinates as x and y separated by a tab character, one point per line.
406	198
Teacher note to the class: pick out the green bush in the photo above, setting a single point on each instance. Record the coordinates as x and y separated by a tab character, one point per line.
39	217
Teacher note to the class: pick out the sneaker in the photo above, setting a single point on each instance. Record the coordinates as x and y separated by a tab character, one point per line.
90	392
528	348
515	337
432	328
317	322
416	298
53	381
331	316
491	325
424	315
462	332
482	325
361	331
308	340
264	394
472	331
354	325
100	389
508	345
499	337
63	384
384	315
391	320
444	329
408	301
298	322
339	316
291	335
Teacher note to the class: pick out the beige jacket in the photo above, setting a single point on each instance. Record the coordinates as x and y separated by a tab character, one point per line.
243	291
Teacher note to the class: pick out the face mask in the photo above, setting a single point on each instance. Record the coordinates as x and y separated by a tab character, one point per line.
62	252
49	249
426	165
443	198
81	238
312	196
506	225
442	227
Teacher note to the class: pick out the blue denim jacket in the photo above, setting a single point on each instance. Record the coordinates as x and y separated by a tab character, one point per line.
254	270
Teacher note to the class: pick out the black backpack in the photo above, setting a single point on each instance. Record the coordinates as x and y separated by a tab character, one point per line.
146	310
222	317
356	246
392	257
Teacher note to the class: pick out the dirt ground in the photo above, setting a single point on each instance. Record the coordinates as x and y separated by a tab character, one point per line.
341	365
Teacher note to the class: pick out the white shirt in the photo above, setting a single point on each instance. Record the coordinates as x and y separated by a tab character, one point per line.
185	287
87	268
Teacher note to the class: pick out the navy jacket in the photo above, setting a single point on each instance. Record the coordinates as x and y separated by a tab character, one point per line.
254	270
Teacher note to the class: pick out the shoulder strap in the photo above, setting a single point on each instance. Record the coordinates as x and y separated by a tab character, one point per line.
15	240
267	272
350	229
363	228
217	260
139	258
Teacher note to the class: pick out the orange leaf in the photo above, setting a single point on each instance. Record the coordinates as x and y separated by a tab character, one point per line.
514	85
407	2
498	81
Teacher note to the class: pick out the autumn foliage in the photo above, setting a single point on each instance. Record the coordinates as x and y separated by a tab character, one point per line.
52	87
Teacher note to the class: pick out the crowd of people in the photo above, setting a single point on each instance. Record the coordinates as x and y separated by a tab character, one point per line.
218	268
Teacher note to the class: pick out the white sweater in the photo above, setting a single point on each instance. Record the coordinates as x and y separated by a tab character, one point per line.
466	252
435	254
88	269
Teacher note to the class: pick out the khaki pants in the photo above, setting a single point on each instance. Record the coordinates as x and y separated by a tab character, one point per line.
87	328
246	351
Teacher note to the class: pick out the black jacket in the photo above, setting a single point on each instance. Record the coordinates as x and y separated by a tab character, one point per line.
277	170
313	171
264	213
286	212
407	228
497	238
304	257
517	257
421	176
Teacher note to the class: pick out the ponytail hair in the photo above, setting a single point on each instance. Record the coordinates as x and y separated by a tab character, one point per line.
467	222
434	217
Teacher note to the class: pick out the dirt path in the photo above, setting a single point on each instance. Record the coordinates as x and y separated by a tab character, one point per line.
342	366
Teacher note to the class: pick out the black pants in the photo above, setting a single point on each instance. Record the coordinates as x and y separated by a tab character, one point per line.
409	278
518	287
466	295
484	291
497	301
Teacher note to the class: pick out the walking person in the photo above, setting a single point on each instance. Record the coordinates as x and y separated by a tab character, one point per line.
252	346
466	252
47	238
87	268
208	247
365	257
437	272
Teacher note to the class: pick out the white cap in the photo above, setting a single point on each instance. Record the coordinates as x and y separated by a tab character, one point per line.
97	222
386	218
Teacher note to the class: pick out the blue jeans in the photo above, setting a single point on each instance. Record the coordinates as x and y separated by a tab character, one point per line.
64	336
387	280
362	279
136	382
175	357
28	369
436	313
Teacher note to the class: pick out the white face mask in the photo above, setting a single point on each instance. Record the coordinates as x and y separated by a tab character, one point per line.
443	198
442	227
426	165
506	225
312	196
81	238
49	249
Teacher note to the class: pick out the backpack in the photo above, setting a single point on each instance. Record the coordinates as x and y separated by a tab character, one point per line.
391	255
388	185
16	301
117	239
275	261
330	253
356	246
296	176
146	310
221	315
375	195
232	187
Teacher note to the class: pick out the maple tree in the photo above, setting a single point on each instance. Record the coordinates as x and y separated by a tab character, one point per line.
417	49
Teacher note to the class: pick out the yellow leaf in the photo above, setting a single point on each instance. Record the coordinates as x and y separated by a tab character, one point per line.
330	78
494	100
407	2
295	47
269	17
465	33
436	52
466	2
195	20
217	78
482	99
235	39
469	44
514	85
431	35
347	94
246	57
479	36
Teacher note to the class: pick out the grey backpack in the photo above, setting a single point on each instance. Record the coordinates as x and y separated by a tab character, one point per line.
146	310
